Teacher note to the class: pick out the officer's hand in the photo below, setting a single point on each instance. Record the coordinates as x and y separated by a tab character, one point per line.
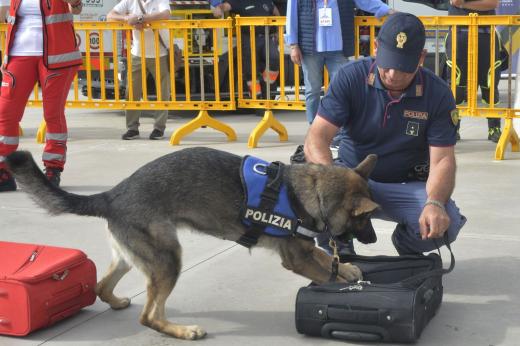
433	222
296	55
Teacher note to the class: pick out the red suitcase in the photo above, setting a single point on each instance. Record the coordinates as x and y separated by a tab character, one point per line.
40	285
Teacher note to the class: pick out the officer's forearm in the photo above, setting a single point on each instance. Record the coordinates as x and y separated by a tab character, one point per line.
441	179
317	141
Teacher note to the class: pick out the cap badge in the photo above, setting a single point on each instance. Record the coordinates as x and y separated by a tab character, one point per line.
401	39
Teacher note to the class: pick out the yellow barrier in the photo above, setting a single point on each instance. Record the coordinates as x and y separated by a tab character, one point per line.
176	100
249	24
472	108
286	96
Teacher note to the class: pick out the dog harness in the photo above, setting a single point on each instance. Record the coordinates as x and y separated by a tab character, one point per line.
267	207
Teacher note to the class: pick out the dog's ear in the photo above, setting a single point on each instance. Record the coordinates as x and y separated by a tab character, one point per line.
364	206
366	166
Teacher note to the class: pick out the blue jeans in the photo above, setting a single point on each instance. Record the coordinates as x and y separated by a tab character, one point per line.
312	66
403	203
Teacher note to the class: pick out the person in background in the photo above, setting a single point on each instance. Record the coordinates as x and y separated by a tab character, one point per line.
321	33
137	13
255	8
464	8
29	58
406	115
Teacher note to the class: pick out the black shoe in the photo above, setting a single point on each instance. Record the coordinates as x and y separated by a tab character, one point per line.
53	175
494	134
156	134
298	156
130	134
7	182
346	251
402	250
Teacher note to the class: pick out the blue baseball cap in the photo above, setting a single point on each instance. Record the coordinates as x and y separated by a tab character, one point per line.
400	42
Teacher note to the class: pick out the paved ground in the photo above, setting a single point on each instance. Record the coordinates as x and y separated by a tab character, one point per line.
248	299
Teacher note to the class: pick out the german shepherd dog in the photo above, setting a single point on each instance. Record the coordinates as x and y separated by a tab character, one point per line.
200	189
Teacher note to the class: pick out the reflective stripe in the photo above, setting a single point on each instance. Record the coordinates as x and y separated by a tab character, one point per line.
9	140
306	232
55	59
11	20
59	18
52	157
56	136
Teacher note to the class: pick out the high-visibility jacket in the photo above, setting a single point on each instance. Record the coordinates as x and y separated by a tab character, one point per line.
60	48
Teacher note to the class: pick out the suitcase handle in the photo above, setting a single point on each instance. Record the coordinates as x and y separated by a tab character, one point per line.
61	277
4	321
356	316
354	332
413	280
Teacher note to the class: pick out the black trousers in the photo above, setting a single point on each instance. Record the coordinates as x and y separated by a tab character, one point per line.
484	68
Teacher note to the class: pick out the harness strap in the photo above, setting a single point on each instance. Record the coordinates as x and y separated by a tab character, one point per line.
268	200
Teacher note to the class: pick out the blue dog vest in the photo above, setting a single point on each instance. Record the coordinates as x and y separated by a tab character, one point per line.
279	222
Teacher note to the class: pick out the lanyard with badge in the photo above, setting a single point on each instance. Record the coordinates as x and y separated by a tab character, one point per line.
325	15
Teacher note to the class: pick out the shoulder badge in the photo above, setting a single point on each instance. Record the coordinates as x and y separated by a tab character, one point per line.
455	116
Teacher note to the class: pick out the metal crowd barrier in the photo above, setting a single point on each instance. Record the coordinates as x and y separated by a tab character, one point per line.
286	93
472	108
119	37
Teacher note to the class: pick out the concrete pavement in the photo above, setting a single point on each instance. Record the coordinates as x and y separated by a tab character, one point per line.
248	299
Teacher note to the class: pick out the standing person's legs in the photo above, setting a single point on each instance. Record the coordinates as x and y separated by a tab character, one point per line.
132	115
461	76
270	73
17	84
55	86
312	66
247	64
484	79
160	116
334	61
403	203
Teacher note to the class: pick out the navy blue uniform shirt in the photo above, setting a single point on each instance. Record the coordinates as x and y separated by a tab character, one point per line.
399	131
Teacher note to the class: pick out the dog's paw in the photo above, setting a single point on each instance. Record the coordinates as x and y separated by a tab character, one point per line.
349	272
119	303
194	332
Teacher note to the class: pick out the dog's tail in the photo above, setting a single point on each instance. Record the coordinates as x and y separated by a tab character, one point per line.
46	195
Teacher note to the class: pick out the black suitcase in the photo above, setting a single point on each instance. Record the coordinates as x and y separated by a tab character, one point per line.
395	301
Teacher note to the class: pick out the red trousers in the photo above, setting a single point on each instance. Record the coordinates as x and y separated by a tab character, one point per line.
17	84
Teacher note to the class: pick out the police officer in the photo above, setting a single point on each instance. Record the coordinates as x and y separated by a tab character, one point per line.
392	107
255	8
464	8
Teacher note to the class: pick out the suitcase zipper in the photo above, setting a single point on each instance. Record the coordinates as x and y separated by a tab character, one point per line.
30	260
